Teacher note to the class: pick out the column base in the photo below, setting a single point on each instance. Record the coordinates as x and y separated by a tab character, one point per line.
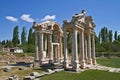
89	61
76	65
65	64
36	63
82	64
86	60
50	61
94	61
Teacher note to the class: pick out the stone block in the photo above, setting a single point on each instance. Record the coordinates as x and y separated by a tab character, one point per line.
13	77
7	69
35	74
49	70
29	78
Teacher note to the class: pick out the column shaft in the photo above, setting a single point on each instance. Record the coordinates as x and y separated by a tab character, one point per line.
82	49
50	53
76	61
41	47
89	49
93	50
36	47
65	50
60	46
85	49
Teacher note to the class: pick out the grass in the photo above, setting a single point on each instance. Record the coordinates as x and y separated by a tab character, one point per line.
89	74
86	75
111	62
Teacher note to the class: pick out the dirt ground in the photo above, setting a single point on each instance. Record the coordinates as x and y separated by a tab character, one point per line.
11	60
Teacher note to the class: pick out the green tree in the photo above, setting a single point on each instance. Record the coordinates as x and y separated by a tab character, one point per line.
3	43
30	36
115	35
118	37
9	43
110	35
0	44
104	35
31	41
99	37
15	39
23	36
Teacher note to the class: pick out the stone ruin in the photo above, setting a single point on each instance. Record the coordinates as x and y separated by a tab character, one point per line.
49	48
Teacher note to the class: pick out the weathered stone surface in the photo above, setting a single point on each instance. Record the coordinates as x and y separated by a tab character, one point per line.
29	78
35	74
31	65
13	77
7	69
49	70
10	78
58	70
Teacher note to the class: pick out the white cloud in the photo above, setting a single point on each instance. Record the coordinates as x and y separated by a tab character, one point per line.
48	17
11	18
26	17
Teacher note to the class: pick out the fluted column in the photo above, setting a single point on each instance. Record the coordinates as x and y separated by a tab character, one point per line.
89	49
36	47
58	53
41	47
50	49
85	49
76	61
93	50
65	50
72	61
82	48
60	48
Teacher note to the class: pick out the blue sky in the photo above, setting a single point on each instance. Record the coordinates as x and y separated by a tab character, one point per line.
24	12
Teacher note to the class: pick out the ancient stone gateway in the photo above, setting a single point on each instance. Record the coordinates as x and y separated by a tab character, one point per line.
48	42
81	28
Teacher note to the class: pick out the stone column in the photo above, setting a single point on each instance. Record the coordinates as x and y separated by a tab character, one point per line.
93	50
60	46
55	53
65	65
36	47
50	53
72	46
76	61
85	49
89	49
45	46
82	49
41	47
58	53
